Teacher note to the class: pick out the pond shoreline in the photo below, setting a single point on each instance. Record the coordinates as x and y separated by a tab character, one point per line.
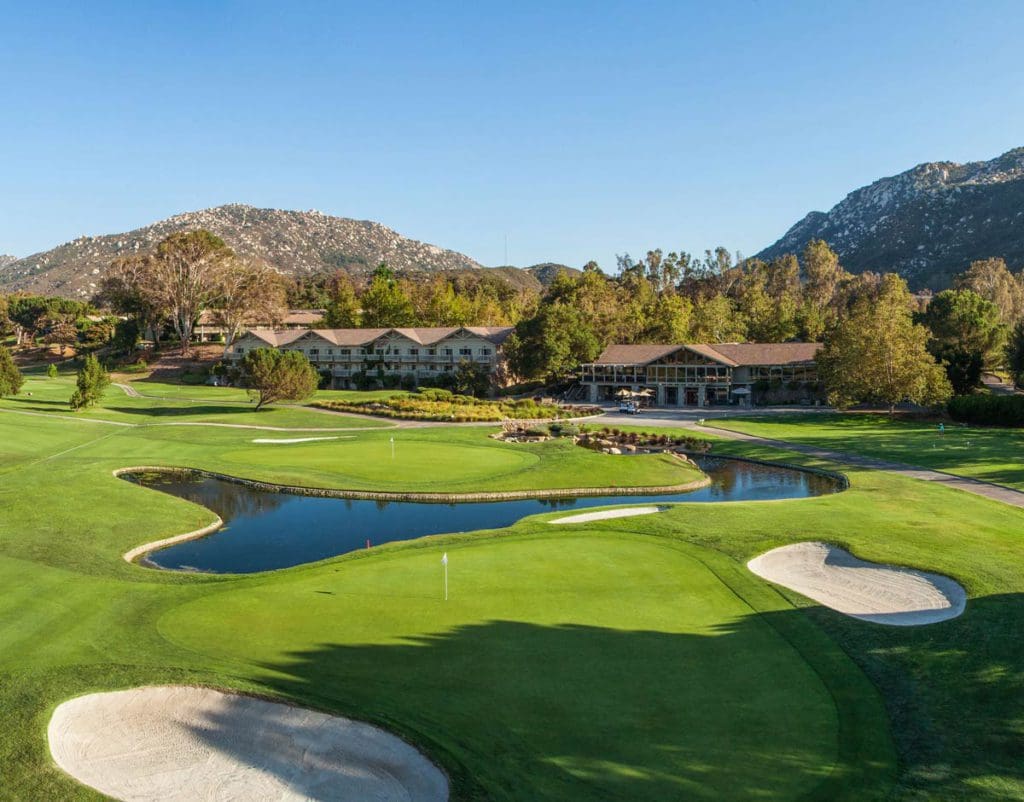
134	554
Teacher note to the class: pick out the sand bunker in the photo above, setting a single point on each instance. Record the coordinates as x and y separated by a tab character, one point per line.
296	439
604	515
181	743
872	592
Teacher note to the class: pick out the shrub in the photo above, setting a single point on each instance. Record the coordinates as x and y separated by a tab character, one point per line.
51	371
988	410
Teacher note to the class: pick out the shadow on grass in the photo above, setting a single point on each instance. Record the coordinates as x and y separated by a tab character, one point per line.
521	711
155	411
32	401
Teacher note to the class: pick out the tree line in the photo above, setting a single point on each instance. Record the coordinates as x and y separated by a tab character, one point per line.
975	326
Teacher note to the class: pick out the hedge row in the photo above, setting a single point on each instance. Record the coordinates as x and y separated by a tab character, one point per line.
988	410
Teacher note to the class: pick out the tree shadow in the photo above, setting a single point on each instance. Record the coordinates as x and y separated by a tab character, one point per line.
32	401
170	412
521	711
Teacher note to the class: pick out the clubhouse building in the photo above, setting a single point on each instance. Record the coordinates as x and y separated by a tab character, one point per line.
704	374
423	353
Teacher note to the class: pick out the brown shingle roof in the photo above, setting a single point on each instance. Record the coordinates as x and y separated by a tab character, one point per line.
634	354
357	337
731	354
768	353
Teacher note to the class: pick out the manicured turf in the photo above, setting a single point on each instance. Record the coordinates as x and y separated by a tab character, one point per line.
183	404
990	454
630	659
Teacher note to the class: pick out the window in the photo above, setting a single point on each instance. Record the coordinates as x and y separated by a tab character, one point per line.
380	351
485	352
346	352
366	351
240	350
446	352
314	351
465	352
432	352
414	352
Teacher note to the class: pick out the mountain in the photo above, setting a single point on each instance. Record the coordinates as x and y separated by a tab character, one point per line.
927	224
295	243
6	260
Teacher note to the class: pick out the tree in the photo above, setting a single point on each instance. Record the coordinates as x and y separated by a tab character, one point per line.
715	320
343	308
273	375
669	319
551	344
385	303
10	377
125	289
822	276
62	333
1015	354
92	380
994	282
877	354
183	277
26	312
245	291
472	378
966	335
51	371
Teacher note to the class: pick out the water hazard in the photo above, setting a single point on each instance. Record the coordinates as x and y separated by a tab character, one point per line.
265	530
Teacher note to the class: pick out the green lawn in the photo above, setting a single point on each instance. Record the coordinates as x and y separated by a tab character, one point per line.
180	404
634	659
990	454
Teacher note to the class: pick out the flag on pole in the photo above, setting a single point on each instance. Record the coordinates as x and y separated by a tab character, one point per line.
444	562
444	558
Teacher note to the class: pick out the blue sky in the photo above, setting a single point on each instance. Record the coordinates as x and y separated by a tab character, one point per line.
577	130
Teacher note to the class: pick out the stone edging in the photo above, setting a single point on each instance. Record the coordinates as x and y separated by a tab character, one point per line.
435	498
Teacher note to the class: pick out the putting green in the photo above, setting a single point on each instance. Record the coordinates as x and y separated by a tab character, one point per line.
622	659
598	666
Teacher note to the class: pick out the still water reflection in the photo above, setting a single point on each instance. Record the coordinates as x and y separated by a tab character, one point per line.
265	530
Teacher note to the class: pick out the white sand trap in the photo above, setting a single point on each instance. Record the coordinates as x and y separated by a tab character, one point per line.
296	439
181	743
883	594
604	515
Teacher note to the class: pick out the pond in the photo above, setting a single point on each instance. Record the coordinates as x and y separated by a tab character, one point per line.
264	530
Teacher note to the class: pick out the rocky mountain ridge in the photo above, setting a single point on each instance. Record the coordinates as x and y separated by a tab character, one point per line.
294	243
927	223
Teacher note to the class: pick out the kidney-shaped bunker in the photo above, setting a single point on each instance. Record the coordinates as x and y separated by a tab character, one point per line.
883	594
184	743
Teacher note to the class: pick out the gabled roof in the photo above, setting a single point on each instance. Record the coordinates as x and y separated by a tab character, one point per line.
634	354
363	337
768	353
731	354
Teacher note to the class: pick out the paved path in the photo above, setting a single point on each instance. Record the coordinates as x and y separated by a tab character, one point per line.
689	420
976	486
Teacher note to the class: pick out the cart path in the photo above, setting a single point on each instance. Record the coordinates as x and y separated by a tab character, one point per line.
978	487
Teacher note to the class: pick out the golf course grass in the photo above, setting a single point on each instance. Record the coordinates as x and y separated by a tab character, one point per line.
632	658
990	454
185	404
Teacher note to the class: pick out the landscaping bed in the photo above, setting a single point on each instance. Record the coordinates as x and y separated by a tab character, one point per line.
442	405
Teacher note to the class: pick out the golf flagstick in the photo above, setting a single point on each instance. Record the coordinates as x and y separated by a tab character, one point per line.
444	562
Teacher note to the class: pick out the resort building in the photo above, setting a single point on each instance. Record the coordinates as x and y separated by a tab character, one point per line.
704	374
208	330
422	353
